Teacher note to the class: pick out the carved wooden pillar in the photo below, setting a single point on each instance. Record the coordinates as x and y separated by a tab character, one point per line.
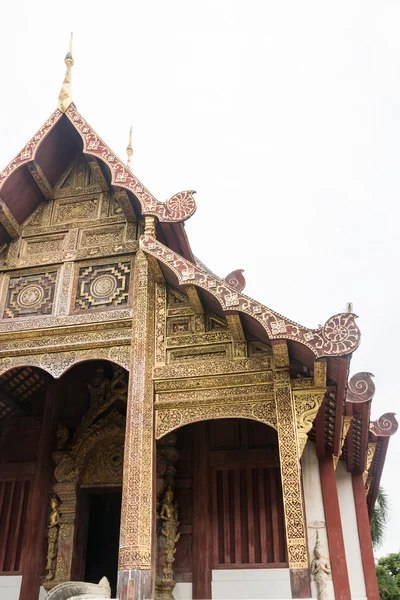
66	492
135	553
290	472
39	498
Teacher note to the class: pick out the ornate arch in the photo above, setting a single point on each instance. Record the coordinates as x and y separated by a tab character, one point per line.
170	418
58	363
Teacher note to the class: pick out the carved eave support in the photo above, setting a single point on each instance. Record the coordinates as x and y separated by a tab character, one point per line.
194	299
9	222
235	326
370	457
126	205
41	181
346	426
289	461
340	400
307	404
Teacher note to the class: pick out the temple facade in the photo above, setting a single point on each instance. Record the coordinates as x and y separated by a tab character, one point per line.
163	435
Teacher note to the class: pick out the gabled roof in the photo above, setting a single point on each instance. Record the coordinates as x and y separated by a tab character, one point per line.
50	151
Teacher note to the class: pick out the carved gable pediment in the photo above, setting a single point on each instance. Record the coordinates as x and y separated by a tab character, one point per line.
83	176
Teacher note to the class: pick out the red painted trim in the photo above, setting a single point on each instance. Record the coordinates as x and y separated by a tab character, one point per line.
364	535
377	479
340	398
320	430
334	532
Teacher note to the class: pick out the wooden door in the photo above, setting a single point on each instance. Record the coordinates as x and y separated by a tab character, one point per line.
230	501
247	508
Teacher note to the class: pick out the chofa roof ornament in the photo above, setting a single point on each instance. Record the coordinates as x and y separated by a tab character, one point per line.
65	96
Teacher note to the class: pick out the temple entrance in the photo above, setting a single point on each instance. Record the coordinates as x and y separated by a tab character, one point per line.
104	515
226	479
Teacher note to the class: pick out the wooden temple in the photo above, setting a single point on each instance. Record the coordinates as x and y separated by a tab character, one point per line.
159	428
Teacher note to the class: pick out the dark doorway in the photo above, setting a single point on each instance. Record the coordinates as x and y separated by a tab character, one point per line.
103	538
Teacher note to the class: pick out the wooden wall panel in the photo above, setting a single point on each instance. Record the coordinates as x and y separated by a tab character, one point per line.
247	517
13	508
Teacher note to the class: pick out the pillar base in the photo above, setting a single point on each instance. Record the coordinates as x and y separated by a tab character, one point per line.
300	583
134	585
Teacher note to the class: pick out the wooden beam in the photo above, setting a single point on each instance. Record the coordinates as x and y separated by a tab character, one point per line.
365	414
9	222
41	181
126	205
320	371
334	531
236	328
201	522
364	535
194	299
11	404
340	399
33	549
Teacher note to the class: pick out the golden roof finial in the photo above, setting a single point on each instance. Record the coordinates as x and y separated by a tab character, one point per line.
65	97
129	150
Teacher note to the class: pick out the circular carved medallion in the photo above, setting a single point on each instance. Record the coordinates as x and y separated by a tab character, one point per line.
103	286
30	296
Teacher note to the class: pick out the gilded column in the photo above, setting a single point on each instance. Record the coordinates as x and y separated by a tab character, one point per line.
290	472
135	554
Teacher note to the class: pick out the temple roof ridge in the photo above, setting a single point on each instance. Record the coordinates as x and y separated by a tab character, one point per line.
176	209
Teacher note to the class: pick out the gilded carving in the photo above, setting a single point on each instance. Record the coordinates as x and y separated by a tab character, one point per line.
161	314
346	426
169	529
320	370
216	381
306	406
53	322
53	527
30	295
103	285
57	363
136	512
172	417
224	394
370	457
181	327
64	298
281	354
290	472
210	352
253	363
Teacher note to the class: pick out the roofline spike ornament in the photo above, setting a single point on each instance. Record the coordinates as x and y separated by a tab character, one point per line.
65	96
129	150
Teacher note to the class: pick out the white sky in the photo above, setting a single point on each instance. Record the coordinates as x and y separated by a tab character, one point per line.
283	115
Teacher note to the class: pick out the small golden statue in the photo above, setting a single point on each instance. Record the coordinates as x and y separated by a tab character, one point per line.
52	537
169	516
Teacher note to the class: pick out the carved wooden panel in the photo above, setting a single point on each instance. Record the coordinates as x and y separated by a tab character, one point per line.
100	286
30	295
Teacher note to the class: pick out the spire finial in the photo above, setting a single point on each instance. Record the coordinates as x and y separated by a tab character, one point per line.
65	97
129	150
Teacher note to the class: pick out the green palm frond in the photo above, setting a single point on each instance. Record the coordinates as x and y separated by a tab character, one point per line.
380	518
